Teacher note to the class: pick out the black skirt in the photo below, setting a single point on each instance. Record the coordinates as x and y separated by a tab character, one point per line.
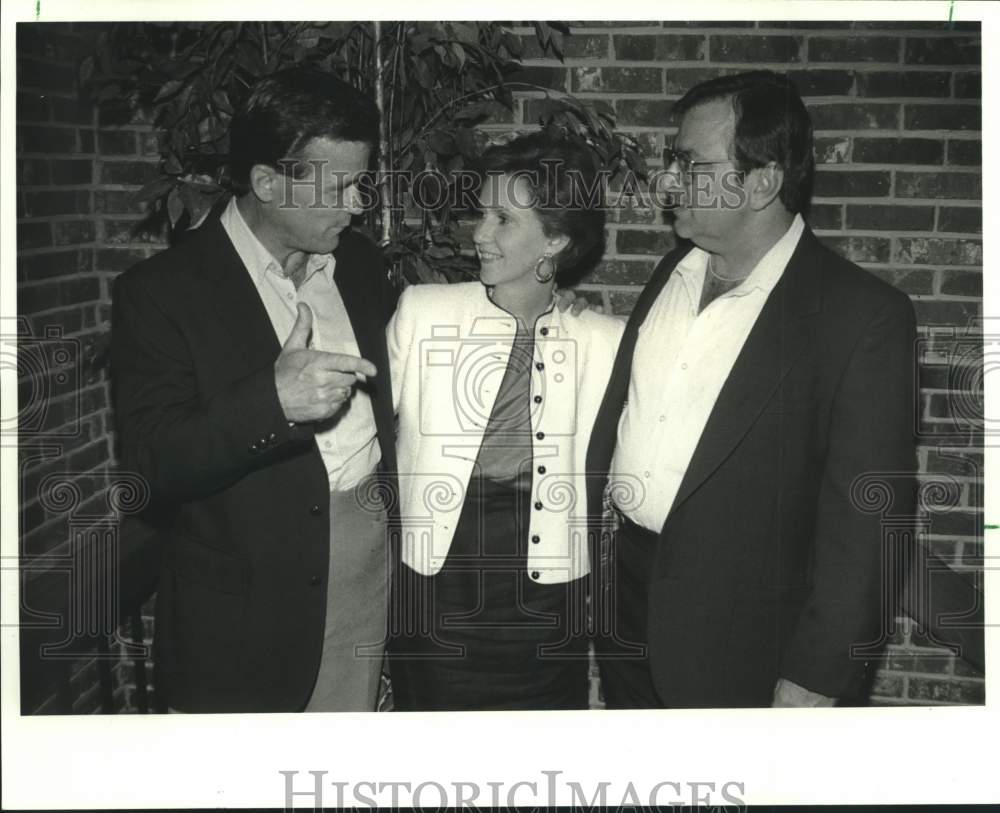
481	634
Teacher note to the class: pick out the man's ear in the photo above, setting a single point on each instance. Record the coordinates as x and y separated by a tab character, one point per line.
765	185
264	183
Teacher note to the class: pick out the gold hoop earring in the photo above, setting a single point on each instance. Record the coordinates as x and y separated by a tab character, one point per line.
545	258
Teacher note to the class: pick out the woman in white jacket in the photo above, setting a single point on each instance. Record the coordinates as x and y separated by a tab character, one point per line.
496	392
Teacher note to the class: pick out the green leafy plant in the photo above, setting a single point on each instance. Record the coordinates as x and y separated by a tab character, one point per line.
434	84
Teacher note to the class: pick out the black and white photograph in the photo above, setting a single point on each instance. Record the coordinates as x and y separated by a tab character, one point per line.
381	390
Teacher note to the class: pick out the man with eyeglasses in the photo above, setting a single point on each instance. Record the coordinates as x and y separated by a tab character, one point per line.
760	379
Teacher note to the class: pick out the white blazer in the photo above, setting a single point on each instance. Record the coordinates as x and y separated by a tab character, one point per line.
448	352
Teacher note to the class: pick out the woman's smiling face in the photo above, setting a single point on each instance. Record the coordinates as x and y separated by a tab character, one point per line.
509	238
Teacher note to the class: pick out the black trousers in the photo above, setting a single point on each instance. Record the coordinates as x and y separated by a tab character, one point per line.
621	640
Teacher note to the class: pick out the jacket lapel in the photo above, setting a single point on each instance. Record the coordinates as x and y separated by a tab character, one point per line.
236	300
776	341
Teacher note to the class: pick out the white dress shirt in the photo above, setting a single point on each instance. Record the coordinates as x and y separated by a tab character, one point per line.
682	359
347	442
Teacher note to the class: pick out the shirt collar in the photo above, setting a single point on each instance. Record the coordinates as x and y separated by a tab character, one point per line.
765	275
257	259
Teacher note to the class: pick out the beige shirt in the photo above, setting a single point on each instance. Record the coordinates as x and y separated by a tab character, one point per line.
682	359
347	442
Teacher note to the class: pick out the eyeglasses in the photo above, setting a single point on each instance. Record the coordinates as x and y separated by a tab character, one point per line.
684	162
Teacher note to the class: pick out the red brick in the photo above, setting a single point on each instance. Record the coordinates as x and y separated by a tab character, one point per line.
859	249
622	272
644	241
33	235
33	107
930	312
32	139
892	217
68	232
962	283
955	185
51	295
659	48
920	661
851	184
754	48
853	116
963	152
119	232
822	82
55	202
622	302
833	150
914	283
37	267
117	259
903	83
116	142
954	461
645	113
825	216
853	49
32	172
72	110
575	46
44	74
69	321
943	117
898	151
117	202
965	692
887	686
541	75
960	219
942	51
137	173
617	80
939	251
71	172
968	85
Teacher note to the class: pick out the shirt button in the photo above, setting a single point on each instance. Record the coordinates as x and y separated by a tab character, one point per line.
545	331
684	366
538	506
315	581
538	399
663	418
536	539
645	474
290	296
327	444
539	365
540	435
315	510
541	469
535	574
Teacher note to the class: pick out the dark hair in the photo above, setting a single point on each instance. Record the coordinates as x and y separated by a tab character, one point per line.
772	124
289	109
566	192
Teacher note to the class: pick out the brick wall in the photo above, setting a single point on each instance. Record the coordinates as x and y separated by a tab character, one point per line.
73	220
896	109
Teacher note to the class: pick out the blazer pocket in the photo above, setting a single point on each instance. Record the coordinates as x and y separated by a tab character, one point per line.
193	561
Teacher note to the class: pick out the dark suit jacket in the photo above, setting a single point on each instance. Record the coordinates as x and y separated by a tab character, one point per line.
243	499
769	563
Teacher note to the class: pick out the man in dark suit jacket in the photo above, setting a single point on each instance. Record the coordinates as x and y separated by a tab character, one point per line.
252	393
763	387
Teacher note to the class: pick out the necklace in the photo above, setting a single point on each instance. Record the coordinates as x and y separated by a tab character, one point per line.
733	281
